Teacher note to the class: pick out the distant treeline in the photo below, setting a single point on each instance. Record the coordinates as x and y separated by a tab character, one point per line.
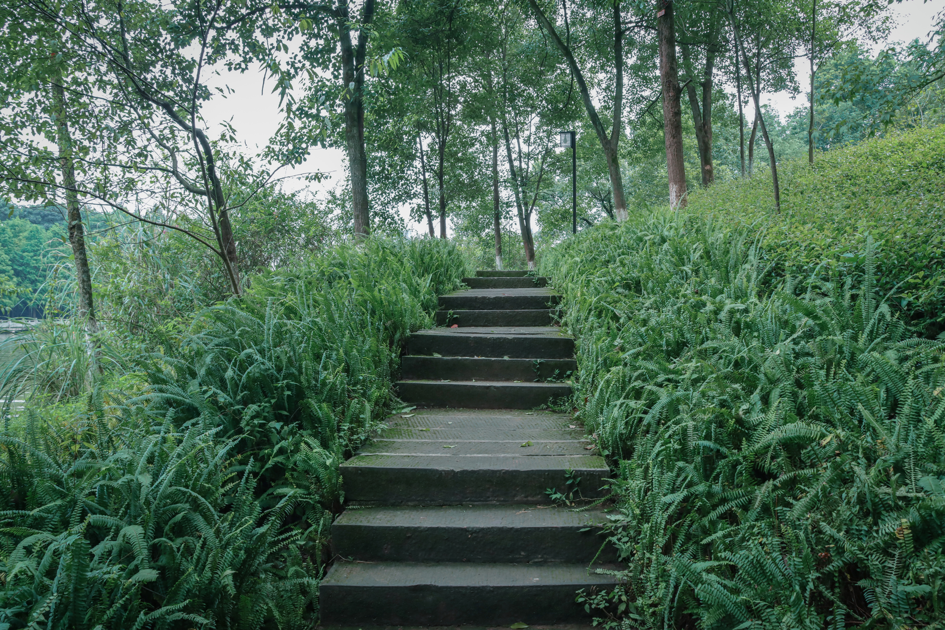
32	240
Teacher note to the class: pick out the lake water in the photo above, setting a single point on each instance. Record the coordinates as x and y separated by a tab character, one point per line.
8	349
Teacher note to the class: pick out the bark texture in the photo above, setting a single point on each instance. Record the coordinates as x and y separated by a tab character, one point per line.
672	110
352	74
496	199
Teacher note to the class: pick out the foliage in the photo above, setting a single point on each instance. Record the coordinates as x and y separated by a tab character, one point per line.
779	451
888	189
195	483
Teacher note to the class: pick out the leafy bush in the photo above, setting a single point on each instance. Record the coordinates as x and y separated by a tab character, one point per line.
779	452
889	189
193	486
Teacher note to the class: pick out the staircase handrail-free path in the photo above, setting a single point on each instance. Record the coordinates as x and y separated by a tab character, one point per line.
448	517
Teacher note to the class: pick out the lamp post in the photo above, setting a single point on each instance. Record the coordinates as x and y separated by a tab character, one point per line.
568	139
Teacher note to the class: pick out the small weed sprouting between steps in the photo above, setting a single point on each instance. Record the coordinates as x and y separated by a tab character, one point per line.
571	493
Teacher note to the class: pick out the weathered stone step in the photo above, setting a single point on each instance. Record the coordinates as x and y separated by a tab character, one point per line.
496	341
482	394
492	273
478	448
493	369
499	299
494	282
455	480
397	593
513	317
471	533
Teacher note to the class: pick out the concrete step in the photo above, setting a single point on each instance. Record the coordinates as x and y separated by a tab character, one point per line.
491	273
459	448
492	369
472	533
482	394
496	341
515	317
455	593
482	426
458	479
523	282
499	299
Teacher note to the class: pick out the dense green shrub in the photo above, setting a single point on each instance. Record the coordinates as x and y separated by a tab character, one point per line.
192	487
889	189
779	452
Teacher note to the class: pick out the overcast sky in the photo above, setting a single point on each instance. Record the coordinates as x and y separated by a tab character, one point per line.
253	110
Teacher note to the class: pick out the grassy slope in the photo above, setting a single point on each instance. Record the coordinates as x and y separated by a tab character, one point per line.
779	449
890	188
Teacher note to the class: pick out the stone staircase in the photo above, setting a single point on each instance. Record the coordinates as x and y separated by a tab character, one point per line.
448	521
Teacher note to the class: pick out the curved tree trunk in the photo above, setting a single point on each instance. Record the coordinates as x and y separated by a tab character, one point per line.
76	229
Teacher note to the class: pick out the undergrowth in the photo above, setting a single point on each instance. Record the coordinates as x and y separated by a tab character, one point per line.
888	189
192	485
779	449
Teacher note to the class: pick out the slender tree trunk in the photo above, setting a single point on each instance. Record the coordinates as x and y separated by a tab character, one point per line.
86	310
672	110
751	143
426	188
352	63
741	115
701	115
810	128
755	89
523	224
496	200
441	188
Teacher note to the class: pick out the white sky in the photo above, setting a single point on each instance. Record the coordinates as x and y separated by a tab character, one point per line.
253	111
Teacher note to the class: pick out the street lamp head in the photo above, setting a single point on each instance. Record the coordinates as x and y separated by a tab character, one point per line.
565	139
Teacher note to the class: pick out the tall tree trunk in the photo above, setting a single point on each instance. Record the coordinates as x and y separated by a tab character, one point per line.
441	188
76	229
352	64
672	110
523	224
755	88
609	142
426	188
810	128
496	200
741	115
701	115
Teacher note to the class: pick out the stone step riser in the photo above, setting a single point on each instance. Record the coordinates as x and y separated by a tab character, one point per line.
515	273
524	347
467	395
433	605
530	317
470	544
493	369
506	283
460	302
443	486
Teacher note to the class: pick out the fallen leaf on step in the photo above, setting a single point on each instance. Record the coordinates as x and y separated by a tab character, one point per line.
589	448
519	626
453	446
408	415
424	429
572	426
527	444
455	326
